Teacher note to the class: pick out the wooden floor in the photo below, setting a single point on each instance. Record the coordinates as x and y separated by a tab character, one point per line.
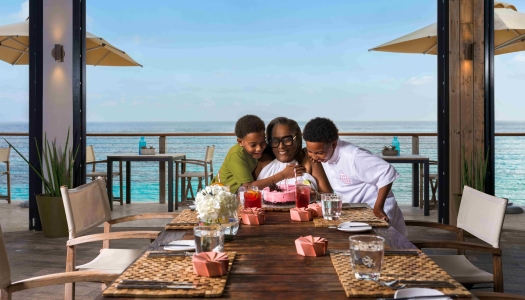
31	254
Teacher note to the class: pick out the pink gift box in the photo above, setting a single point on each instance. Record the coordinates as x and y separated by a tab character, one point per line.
302	214
317	208
210	264
253	216
311	246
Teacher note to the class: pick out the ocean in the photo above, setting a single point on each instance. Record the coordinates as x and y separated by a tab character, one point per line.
509	153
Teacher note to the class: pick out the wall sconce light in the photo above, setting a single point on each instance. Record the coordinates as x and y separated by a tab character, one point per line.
58	53
468	51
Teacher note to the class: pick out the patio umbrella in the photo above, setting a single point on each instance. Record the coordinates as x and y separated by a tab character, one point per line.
509	34
14	48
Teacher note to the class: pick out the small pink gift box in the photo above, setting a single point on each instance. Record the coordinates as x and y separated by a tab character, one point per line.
311	246
302	214
253	216
317	208
210	264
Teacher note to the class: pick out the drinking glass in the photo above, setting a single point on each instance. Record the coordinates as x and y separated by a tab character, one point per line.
331	205
366	256
302	195
252	197
208	238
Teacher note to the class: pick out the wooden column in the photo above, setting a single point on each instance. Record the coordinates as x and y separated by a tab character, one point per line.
466	89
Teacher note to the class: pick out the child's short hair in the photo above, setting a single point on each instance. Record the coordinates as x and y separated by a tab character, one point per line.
320	130
248	124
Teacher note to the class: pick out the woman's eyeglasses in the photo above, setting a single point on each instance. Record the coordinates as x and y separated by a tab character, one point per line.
286	140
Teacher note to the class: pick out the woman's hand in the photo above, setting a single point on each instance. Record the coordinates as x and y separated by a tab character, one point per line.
293	170
380	213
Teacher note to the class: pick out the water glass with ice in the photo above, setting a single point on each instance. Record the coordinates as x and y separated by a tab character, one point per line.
366	256
209	238
331	205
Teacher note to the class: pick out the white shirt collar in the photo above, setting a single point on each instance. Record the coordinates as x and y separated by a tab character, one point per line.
335	156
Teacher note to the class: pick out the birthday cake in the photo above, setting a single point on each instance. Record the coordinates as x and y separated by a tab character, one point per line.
279	195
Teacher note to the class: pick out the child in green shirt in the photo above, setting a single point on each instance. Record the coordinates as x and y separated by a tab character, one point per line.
241	160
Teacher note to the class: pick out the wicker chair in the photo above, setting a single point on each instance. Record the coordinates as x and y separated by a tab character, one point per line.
481	215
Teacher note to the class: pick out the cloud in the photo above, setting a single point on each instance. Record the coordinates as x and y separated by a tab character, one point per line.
519	58
109	103
207	103
421	80
137	102
23	13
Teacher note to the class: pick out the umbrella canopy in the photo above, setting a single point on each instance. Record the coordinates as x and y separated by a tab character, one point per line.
14	48
509	34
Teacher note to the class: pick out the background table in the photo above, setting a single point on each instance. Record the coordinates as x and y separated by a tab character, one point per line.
415	160
128	158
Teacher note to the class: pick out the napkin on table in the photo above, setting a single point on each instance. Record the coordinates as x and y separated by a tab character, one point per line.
253	216
311	246
302	214
210	264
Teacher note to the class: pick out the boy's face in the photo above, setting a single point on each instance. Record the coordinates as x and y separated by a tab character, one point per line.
320	151
254	143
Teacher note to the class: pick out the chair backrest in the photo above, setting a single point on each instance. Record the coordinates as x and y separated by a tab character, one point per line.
209	154
4	154
90	154
482	215
86	206
5	271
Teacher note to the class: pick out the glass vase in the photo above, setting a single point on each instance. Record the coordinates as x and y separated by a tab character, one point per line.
229	222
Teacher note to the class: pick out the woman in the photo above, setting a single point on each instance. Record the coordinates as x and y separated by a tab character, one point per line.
285	146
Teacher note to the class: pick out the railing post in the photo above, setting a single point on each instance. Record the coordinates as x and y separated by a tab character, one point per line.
415	144
162	171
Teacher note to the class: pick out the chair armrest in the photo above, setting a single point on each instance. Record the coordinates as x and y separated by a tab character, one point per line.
114	236
157	215
61	278
193	162
432	225
457	245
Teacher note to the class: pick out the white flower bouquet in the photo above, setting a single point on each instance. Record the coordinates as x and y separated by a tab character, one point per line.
215	204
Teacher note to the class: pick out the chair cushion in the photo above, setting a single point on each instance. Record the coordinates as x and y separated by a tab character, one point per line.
461	269
112	260
101	174
193	174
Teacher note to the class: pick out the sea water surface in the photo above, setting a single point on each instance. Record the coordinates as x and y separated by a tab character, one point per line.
510	153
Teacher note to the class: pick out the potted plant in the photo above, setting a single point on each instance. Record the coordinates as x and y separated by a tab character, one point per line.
389	150
474	173
56	170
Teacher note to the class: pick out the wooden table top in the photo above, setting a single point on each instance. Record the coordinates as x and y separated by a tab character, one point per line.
267	264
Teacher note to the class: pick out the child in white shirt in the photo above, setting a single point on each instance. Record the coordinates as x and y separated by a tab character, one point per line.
354	173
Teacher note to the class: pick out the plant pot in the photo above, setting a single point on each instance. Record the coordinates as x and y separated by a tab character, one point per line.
52	216
389	152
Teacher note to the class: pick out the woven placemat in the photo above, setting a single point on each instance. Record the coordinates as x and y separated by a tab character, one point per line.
362	214
394	267
187	219
170	268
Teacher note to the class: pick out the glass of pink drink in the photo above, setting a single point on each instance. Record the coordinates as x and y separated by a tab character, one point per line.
252	198
302	195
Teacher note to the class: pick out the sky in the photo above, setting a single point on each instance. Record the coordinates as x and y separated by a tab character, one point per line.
219	60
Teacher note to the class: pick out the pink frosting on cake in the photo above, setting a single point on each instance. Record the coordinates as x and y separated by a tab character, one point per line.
280	197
